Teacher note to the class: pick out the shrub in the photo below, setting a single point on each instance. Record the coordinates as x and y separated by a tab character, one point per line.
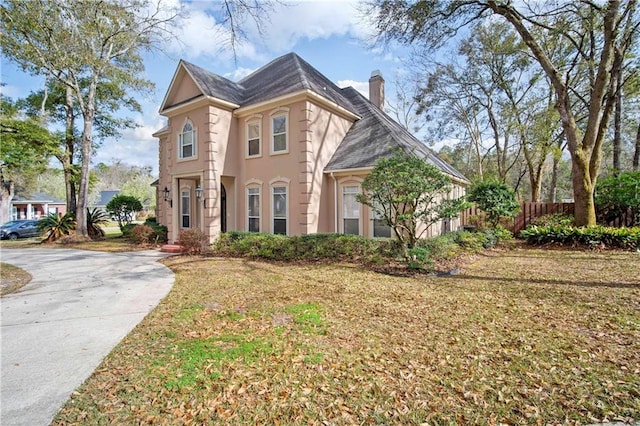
418	258
193	241
592	236
495	199
618	195
160	232
54	227
127	229
141	234
553	220
124	208
95	218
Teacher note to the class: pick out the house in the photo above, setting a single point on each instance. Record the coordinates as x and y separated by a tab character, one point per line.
103	199
36	206
283	150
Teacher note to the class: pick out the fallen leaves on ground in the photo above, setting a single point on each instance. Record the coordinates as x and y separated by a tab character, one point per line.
519	337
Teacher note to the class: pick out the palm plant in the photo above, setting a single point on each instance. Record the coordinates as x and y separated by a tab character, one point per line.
95	218
53	227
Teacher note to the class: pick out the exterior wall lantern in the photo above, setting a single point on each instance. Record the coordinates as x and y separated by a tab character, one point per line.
199	195
165	193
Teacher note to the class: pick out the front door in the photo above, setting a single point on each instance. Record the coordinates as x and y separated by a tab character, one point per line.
223	208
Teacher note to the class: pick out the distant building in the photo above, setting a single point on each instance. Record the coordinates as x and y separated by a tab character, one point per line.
36	206
105	197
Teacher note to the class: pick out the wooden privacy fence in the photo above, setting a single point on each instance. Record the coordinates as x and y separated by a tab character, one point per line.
528	212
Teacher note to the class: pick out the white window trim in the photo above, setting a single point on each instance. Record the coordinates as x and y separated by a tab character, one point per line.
194	131
186	190
279	182
280	112
259	188
349	181
254	119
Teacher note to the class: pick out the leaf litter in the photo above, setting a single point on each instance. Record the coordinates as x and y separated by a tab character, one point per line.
519	337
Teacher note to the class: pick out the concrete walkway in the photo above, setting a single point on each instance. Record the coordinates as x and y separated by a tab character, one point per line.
57	329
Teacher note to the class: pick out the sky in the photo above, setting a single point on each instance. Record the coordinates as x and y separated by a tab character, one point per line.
331	35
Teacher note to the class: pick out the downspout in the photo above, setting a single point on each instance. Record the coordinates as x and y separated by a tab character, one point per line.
335	203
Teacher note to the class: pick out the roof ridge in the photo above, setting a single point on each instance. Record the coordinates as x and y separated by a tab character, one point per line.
301	72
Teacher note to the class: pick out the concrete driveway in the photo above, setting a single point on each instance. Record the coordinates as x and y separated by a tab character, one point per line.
57	329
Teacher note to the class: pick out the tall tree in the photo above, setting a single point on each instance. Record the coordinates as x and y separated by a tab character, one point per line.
82	43
55	105
24	152
600	33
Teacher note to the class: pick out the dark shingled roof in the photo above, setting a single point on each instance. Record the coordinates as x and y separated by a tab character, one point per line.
282	76
215	85
373	136
376	135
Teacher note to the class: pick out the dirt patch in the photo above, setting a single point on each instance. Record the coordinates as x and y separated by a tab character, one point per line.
12	278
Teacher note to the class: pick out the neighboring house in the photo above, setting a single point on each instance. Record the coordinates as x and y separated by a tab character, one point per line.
103	199
283	151
36	206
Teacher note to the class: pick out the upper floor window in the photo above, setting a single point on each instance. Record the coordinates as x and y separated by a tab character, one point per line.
187	141
253	139
279	133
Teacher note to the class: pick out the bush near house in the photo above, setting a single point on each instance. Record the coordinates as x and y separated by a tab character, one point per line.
194	241
374	252
592	236
148	233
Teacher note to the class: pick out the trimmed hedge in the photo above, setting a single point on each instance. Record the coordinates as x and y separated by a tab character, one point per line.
592	236
312	247
353	248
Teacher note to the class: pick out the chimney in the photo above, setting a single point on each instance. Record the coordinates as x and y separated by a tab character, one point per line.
376	89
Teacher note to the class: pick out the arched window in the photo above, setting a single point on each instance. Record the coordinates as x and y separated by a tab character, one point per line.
187	141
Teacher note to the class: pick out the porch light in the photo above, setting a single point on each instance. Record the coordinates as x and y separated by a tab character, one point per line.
165	192
198	192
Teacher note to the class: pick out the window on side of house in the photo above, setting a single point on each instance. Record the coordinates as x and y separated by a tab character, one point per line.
279	133
187	142
380	227
185	208
253	209
253	139
350	210
279	207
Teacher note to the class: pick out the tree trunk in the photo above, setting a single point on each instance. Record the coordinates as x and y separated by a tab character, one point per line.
636	155
583	189
617	126
67	157
7	191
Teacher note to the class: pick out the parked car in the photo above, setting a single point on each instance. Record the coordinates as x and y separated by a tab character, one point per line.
19	229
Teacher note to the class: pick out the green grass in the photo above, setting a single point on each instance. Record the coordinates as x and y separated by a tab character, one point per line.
518	337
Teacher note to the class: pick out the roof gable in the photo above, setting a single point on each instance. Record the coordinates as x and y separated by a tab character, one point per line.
191	81
285	75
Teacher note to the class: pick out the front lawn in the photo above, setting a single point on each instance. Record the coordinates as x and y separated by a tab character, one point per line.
519	337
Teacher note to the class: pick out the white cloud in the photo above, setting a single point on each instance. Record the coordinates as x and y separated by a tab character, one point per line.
360	86
314	20
11	91
136	146
199	34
